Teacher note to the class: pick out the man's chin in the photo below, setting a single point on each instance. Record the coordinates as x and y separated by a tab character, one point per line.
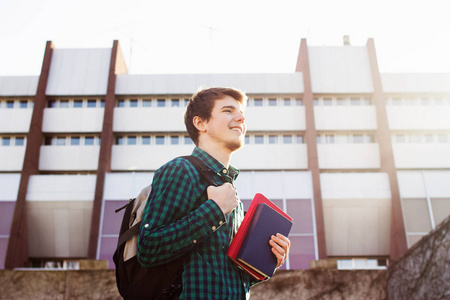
235	146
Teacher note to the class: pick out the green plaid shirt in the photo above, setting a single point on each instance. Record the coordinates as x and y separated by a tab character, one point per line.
179	219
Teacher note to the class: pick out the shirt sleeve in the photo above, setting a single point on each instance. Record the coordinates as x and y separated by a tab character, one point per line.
171	224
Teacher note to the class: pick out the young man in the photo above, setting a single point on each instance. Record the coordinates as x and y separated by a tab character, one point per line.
181	218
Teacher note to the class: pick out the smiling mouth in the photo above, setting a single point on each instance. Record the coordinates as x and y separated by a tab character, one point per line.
236	129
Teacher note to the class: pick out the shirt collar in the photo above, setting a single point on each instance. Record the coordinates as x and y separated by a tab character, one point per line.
214	164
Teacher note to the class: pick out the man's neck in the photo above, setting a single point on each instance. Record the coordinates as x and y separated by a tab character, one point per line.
222	155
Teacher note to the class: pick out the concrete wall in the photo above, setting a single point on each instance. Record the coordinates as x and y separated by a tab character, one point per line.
100	284
423	272
323	284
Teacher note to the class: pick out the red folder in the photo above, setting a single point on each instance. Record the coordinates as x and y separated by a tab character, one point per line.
235	245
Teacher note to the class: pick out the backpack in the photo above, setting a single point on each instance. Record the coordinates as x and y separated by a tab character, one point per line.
133	280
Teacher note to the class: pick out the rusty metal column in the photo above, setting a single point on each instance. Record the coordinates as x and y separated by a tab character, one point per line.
311	143
107	139
17	253
383	135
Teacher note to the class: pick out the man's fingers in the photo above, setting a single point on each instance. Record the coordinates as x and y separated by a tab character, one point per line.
280	248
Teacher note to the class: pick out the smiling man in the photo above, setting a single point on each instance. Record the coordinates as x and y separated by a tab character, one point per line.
186	217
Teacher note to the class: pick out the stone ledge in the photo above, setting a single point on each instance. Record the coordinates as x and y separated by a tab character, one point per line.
101	284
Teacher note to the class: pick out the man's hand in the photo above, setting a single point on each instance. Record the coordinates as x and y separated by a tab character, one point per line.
224	196
280	248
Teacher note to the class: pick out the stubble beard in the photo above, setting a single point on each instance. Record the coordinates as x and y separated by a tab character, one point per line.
234	145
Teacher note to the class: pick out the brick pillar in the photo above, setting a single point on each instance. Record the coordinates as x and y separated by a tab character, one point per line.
116	66
17	253
311	143
383	136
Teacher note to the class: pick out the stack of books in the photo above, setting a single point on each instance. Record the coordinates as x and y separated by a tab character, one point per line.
250	248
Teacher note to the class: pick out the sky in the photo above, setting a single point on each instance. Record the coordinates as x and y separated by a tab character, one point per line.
246	36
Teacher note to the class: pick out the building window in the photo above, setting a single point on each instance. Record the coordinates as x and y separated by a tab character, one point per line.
341	101
9	104
121	103
358	138
299	139
330	139
145	140
287	139
429	138
23	104
159	140
273	139
355	101
318	139
258	102
89	140
19	141
327	101
272	102
6	141
259	139
119	140
366	101
396	101
174	140
175	102
188	140
64	103
442	138
78	103
161	103
131	140
298	102
425	101
146	103
400	138
60	141
133	103
287	102
91	103
75	141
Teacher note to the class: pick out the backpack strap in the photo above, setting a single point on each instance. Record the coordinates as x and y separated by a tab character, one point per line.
133	230
206	173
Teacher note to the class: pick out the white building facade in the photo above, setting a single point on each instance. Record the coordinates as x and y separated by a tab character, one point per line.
359	159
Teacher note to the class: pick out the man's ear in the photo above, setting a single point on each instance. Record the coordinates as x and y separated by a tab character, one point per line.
199	123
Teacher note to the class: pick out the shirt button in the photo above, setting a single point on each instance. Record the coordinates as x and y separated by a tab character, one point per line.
214	228
224	171
146	225
221	222
194	241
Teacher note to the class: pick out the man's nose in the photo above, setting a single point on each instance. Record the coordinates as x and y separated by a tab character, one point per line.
240	117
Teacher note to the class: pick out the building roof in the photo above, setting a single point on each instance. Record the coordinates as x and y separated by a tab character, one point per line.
18	85
344	69
79	72
415	83
127	84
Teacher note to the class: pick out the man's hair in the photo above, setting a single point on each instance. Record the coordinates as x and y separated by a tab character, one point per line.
202	103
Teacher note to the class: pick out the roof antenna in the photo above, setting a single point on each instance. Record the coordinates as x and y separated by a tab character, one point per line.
346	40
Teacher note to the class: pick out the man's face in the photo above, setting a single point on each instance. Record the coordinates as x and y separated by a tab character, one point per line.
226	127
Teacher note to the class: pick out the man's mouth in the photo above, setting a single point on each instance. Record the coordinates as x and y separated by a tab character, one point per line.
238	129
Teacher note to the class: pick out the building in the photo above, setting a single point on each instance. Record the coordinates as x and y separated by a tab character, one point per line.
360	159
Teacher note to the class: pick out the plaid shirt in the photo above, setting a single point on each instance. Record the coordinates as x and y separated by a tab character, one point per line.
179	219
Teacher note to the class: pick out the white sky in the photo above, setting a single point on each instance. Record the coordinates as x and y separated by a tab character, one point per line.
246	36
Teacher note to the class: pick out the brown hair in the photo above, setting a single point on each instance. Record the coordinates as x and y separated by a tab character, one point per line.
202	103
